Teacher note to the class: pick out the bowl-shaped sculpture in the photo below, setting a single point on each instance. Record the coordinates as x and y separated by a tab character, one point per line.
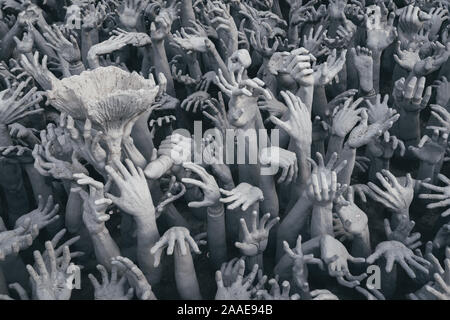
110	97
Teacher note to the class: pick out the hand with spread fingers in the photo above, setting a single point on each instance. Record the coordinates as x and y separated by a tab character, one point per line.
336	256
276	293
135	277
239	289
179	236
354	221
402	232
207	184
300	268
441	198
243	196
298	124
409	95
53	282
431	150
254	241
281	158
110	289
395	251
396	197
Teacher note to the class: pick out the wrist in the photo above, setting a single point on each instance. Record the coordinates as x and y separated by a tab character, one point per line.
145	219
99	230
215	210
410	112
336	139
367	91
76	67
303	144
323	205
337	134
365	82
402	212
157	43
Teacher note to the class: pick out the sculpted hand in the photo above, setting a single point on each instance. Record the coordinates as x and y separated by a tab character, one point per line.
173	150
385	146
394	251
412	20
135	197
26	44
396	198
443	117
38	70
12	241
190	42
440	54
173	236
336	256
442	237
272	105
53	282
87	144
281	158
407	59
298	66
380	34
300	269
135	276
320	192
313	41
434	267
94	203
441	290
207	184
218	116
195	100
68	50
409	96
345	118
326	72
244	196
320	169
231	270
239	289
298	124
363	133
42	216
402	232
276	293
379	110
113	289
128	13
354	220
15	104
442	91
431	150
442	198
261	44
255	241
